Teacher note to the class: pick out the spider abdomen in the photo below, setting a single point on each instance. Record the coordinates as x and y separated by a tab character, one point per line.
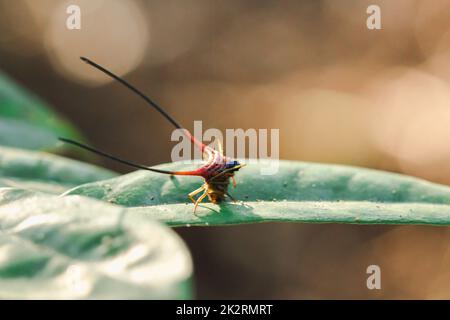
218	188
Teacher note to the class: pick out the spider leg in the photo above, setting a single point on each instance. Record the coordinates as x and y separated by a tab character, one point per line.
231	197
227	170
193	193
219	146
200	199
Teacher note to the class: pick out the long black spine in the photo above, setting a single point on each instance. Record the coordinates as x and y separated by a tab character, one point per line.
135	90
109	156
143	96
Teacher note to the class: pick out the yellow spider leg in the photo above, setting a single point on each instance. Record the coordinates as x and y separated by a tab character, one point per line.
200	199
193	193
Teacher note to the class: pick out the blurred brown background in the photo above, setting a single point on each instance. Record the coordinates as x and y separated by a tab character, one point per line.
338	92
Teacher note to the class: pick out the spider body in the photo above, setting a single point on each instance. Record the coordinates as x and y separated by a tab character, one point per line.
218	189
216	172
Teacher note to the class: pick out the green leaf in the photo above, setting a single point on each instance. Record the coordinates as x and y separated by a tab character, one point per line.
28	122
40	171
301	192
78	248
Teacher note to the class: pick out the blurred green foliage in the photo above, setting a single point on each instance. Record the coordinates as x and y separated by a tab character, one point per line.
28	122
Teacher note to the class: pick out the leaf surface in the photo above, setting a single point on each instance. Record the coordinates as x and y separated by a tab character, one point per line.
74	247
300	191
40	171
